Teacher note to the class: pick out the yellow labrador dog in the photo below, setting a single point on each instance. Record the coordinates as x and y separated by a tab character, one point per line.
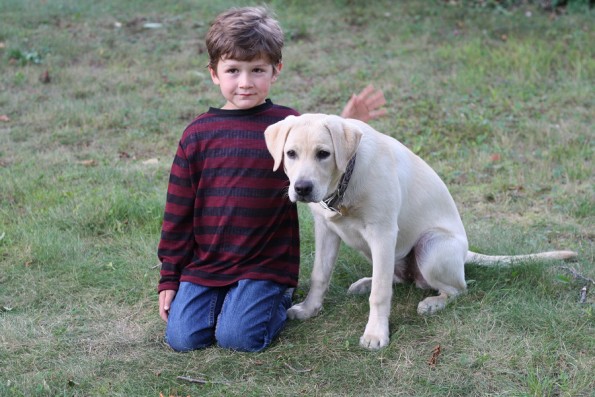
370	191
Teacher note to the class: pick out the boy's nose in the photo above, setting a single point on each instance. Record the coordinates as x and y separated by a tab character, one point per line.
245	81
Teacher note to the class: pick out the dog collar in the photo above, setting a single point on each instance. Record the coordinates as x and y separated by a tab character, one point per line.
333	202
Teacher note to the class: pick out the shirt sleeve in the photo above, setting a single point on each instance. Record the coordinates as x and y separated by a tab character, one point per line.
176	245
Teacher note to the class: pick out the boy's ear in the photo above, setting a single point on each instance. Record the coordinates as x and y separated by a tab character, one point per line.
277	70
214	76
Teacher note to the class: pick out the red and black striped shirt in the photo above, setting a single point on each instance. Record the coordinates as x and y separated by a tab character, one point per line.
227	215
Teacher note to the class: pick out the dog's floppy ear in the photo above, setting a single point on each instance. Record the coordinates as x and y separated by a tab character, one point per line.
346	137
275	136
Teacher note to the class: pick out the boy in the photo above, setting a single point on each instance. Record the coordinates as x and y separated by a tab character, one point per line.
230	240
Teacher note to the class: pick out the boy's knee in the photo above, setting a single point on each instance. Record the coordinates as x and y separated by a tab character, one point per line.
184	342
241	339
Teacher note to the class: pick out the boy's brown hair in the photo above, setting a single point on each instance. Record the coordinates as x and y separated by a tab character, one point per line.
244	34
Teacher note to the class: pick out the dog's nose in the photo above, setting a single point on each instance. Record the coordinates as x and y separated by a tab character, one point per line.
303	188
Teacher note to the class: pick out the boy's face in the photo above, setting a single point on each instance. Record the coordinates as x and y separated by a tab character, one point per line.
245	84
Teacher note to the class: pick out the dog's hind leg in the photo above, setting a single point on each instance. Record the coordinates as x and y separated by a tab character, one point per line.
440	258
433	304
361	286
364	285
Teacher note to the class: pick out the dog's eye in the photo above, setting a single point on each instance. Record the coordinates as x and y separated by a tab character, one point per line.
322	154
291	154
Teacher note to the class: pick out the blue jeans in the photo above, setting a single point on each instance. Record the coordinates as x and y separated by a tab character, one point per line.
245	316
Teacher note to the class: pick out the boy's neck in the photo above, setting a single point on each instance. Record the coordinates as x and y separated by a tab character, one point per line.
260	107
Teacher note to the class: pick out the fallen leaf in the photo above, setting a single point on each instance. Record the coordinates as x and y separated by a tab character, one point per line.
434	358
45	78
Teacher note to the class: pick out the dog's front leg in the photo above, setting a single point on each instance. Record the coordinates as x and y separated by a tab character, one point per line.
376	334
327	247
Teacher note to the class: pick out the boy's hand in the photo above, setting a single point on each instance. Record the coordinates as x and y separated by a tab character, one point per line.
165	299
365	105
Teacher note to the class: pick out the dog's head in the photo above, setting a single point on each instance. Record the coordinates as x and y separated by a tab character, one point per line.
314	150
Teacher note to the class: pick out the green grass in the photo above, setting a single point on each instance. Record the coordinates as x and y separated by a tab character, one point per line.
497	100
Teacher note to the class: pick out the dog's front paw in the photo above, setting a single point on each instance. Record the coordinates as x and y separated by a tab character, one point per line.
302	311
375	336
373	342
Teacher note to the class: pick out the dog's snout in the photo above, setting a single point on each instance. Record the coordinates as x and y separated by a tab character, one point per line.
303	188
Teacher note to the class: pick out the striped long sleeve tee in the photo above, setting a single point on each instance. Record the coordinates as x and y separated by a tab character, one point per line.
227	215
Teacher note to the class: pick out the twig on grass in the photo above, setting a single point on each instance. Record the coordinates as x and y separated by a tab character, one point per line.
201	381
576	275
583	298
298	370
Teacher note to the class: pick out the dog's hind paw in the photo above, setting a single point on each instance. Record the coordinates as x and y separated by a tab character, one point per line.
361	286
432	304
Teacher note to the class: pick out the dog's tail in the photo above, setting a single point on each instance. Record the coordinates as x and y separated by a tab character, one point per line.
506	260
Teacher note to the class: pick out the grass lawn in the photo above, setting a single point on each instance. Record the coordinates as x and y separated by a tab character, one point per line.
496	96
